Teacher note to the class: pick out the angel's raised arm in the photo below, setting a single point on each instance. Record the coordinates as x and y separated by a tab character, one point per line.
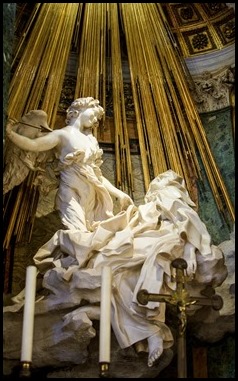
42	143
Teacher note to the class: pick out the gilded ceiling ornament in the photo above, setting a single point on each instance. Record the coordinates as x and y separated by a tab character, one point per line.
200	41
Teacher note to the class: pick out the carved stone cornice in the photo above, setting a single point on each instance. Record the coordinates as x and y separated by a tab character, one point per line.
213	91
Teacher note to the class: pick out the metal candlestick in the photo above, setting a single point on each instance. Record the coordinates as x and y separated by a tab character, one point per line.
104	370
25	370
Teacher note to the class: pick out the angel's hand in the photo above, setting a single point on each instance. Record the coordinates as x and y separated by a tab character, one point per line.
10	123
190	257
9	128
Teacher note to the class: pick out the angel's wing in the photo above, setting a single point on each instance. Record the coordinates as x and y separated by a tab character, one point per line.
17	162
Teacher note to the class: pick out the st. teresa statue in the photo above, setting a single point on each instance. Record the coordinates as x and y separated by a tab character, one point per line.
138	243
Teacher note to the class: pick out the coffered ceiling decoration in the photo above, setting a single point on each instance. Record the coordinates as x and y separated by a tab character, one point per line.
199	28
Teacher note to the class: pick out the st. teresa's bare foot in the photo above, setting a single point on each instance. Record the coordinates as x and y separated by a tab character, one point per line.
155	345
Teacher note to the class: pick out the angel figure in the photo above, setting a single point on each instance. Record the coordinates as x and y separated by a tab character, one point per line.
138	243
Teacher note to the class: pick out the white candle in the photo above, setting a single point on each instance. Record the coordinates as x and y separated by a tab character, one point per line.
105	316
28	314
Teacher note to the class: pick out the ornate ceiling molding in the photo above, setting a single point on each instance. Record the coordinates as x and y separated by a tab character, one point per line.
211	62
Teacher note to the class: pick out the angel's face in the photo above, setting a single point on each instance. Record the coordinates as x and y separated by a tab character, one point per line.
89	117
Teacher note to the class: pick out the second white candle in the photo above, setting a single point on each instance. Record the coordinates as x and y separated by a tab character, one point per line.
105	316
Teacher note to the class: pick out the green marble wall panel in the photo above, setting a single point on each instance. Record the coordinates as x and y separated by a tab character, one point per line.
218	127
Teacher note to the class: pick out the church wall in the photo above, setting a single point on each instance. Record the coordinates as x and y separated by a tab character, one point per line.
218	127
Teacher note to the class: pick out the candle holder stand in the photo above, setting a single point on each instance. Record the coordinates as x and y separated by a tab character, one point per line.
104	370
25	369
